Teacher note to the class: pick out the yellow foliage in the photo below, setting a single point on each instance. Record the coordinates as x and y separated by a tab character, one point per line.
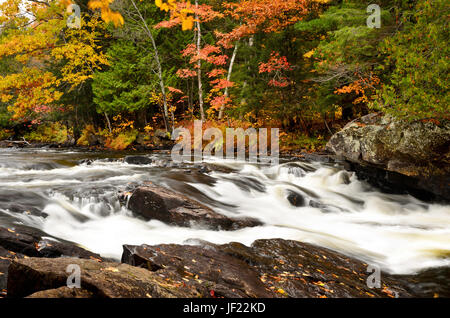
54	132
166	5
84	139
32	91
107	14
308	54
122	141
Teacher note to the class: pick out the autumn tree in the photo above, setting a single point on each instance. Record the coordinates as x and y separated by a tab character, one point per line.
197	52
36	37
345	60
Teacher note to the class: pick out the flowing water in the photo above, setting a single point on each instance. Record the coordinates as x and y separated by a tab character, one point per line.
52	191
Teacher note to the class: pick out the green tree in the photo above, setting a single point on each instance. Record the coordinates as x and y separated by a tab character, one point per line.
127	85
418	57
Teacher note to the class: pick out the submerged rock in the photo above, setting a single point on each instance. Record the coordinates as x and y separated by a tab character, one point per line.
413	156
295	199
155	202
137	160
269	268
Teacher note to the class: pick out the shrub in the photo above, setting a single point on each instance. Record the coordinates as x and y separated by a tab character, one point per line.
122	140
54	132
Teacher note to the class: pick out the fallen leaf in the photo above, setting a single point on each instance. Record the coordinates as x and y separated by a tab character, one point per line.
95	259
281	291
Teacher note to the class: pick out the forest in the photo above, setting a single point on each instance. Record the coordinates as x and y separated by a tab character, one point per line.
126	68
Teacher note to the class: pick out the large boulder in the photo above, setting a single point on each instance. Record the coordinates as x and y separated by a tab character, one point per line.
18	242
44	277
419	150
156	202
269	268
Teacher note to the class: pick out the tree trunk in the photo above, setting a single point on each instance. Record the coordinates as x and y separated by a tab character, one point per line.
230	70
158	63
109	123
199	64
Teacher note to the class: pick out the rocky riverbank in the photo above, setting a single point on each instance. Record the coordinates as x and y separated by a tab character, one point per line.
398	156
268	268
33	264
157	140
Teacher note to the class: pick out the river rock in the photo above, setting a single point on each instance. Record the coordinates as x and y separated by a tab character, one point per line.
44	277
137	160
295	199
419	150
155	202
86	162
21	242
268	268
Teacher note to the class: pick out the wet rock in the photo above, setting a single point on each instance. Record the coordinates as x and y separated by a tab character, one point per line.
295	199
418	150
317	205
87	162
18	201
206	268
63	292
207	167
296	171
137	160
189	176
5	259
324	157
247	183
21	242
430	283
326	208
44	277
268	268
155	202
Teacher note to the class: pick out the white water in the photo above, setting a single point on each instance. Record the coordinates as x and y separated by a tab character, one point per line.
398	232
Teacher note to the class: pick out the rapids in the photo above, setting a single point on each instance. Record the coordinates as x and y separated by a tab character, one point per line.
73	195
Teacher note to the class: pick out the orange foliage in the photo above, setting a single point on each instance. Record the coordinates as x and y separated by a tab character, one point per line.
360	87
263	15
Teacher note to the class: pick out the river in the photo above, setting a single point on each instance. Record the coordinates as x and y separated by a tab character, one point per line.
73	195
